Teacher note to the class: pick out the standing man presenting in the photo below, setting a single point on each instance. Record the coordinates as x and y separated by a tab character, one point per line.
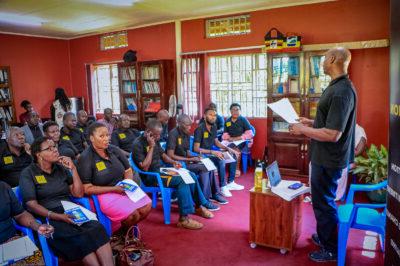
332	147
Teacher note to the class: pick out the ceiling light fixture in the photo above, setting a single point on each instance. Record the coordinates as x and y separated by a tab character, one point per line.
17	19
114	2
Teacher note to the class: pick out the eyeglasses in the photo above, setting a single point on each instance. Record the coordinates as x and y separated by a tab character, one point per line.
50	148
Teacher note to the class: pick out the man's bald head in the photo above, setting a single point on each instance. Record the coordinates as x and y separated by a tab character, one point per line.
337	60
82	117
163	116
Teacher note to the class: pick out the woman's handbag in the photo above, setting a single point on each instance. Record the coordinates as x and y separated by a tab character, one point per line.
134	252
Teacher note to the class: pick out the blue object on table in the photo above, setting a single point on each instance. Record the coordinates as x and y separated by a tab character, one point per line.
360	216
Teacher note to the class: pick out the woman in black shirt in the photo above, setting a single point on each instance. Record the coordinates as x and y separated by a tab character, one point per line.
10	209
44	184
101	166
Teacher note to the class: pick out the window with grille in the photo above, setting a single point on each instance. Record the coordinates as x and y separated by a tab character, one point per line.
228	26
105	88
190	85
241	79
114	40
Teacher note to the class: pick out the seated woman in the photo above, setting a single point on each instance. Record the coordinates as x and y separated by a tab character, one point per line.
10	209
43	185
101	166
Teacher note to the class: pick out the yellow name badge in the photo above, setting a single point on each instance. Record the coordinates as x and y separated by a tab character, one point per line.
122	135
228	124
40	179
179	141
81	130
101	166
205	135
8	160
66	138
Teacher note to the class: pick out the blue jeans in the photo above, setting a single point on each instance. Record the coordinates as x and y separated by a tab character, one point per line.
220	164
187	194
323	191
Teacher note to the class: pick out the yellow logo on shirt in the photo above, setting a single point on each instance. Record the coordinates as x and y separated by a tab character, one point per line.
228	124
122	135
65	137
179	141
8	160
40	179
205	135
101	166
81	130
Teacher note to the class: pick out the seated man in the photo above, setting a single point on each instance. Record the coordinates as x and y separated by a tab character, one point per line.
124	136
14	156
28	108
178	148
219	122
65	147
83	123
205	136
163	118
148	155
33	128
70	132
108	120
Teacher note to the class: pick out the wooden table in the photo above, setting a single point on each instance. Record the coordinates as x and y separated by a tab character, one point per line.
274	222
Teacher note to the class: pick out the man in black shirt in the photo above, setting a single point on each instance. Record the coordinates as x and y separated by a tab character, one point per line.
124	135
65	147
205	136
70	132
33	129
178	148
163	118
13	156
83	123
219	122
332	147
148	156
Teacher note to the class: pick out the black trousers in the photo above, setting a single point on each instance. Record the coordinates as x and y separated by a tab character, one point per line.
323	191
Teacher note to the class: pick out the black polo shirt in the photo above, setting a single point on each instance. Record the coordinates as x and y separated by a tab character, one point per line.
179	142
139	152
11	165
83	129
75	136
66	148
219	123
204	137
164	133
124	137
98	171
336	110
237	128
9	207
48	189
36	132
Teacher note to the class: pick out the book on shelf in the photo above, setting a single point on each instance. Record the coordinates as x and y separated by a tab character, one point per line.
3	76
150	72
5	95
128	73
129	87
152	107
6	113
130	104
293	86
151	87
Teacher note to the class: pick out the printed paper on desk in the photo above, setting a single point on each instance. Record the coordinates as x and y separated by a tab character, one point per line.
228	158
135	195
285	109
208	164
70	206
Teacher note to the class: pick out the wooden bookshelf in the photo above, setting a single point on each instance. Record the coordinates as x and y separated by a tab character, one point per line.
145	88
7	109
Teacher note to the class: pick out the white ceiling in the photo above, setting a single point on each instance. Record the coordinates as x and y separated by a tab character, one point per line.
74	18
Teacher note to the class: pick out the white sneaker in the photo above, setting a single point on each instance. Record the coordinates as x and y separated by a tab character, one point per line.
233	186
225	192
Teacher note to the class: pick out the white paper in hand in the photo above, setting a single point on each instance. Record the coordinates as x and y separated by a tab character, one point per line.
228	158
285	109
67	205
137	194
182	172
208	164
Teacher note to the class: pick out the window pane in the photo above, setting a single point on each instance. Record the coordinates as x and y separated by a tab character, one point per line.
106	88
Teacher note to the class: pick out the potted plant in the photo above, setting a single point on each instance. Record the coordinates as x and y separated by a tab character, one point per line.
373	170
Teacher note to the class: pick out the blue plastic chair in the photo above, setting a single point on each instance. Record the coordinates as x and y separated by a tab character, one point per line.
165	192
360	216
246	155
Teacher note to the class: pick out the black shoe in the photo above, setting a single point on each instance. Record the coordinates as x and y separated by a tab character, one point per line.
315	240
218	198
322	255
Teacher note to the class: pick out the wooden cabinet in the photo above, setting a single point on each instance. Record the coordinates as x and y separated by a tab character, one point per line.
7	110
274	222
300	78
145	88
